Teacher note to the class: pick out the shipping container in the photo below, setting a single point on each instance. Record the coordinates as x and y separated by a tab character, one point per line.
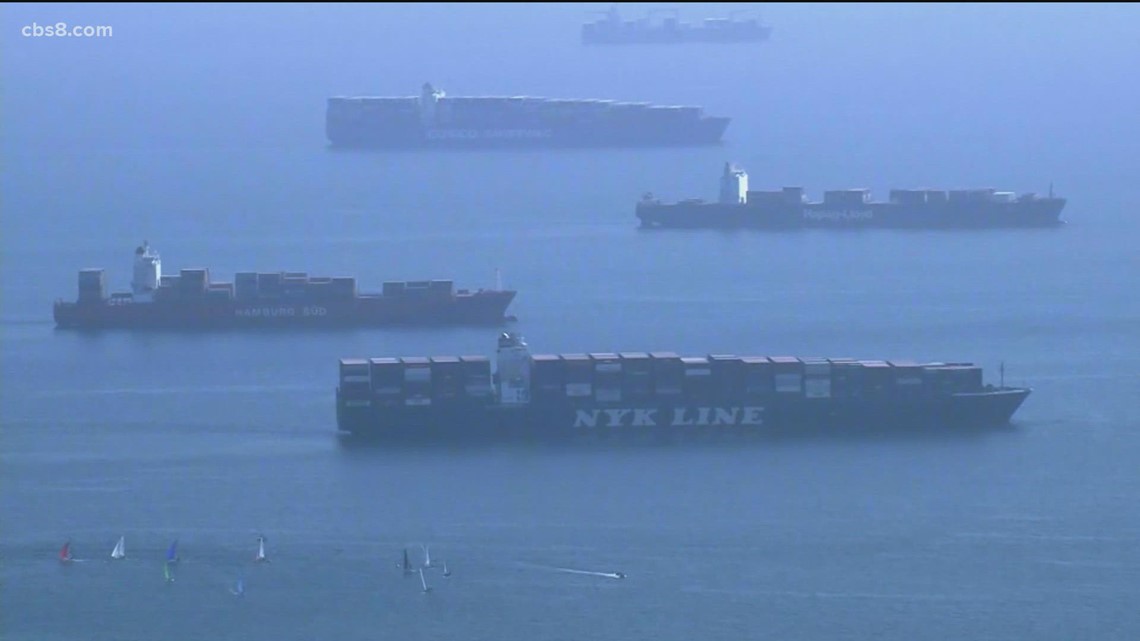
793	195
847	197
92	285
668	374
442	287
846	379
269	285
355	378
578	372
936	197
447	383
758	377
546	380
878	379
477	377
636	376
953	379
393	288
788	374
817	378
908	196
727	377
245	286
697	385
387	381
607	377
417	380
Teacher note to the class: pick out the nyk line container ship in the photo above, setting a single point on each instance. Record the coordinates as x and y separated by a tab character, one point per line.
275	299
433	119
660	394
788	208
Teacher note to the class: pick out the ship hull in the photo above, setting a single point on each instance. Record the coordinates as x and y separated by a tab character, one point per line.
1037	213
483	308
663	421
385	134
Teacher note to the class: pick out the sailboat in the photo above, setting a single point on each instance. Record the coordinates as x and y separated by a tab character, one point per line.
407	564
65	553
239	588
167	572
120	551
427	555
423	581
260	556
172	553
446	572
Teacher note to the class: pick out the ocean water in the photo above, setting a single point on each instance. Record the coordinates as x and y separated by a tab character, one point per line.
203	133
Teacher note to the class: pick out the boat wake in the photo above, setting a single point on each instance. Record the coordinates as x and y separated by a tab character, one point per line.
552	568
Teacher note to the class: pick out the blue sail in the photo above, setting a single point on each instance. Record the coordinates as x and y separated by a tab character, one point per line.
172	552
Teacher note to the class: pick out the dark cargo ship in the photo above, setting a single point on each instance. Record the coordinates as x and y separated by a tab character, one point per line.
433	119
739	207
276	299
612	30
656	395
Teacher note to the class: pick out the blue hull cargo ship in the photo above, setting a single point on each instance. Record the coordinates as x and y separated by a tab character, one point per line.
656	395
435	120
275	299
740	208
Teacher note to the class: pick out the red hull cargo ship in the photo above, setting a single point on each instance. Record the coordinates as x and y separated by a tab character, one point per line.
276	299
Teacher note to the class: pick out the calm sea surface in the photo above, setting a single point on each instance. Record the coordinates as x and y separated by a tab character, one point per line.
187	131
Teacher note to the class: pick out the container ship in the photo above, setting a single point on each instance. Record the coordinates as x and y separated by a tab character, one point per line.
656	395
788	208
190	300
612	30
433	119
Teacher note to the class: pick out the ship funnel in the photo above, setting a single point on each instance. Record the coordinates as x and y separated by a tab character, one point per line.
147	271
733	185
513	358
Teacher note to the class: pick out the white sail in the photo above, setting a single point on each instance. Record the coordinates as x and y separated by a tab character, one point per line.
423	581
120	551
260	550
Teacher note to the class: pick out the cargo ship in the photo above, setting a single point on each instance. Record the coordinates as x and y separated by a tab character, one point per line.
189	300
612	30
788	208
434	119
656	395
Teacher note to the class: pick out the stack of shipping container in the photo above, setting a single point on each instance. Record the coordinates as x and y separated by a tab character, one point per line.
92	286
640	379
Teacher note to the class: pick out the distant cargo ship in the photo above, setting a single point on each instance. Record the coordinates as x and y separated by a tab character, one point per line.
433	119
739	207
656	395
612	30
274	299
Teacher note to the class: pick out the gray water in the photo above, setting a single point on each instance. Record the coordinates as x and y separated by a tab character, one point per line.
202	131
